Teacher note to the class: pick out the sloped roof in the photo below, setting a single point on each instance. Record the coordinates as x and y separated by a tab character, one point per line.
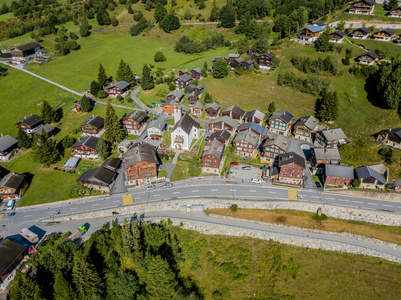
111	163
31	120
370	2
185	108
215	148
186	123
255	113
223	133
239	60
136	116
197	70
363	29
396	131
291	157
387	30
140	152
327	154
365	171
372	54
226	119
395	8
185	77
333	134
213	105
7	142
279	140
169	102
233	55
88	141
309	122
184	71
95	121
249	136
102	174
321	24
159	123
256	127
12	180
315	28
28	46
72	162
339	171
268	53
9	252
284	115
47	128
234	109
198	105
176	93
120	84
338	32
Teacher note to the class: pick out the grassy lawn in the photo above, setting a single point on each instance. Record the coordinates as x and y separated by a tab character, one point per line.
389	49
180	171
157	94
303	219
228	267
378	15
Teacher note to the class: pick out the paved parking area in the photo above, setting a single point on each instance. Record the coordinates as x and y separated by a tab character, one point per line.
244	175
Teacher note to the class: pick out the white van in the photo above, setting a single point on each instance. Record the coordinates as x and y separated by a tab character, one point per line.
256	180
10	204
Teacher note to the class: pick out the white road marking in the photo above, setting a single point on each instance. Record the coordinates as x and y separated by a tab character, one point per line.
96	204
252	191
116	201
73	207
156	195
329	198
195	191
388	205
343	200
233	190
357	201
214	190
272	192
176	192
315	197
373	203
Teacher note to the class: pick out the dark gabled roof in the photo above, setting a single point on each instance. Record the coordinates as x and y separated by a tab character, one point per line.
136	116
120	84
31	120
309	122
198	105
284	115
112	163
47	128
199	88
12	180
396	131
387	30
249	136
363	29
279	140
185	108
291	157
140	152
338	171
9	252
95	121
269	54
185	77
159	123
213	105
186	123
256	127
338	32
88	141
370	2
226	119
191	85
239	60
395	8
365	171
327	154
234	109
333	134
176	93
192	97
255	113
28	46
6	142
215	148
102	174
223	133
372	54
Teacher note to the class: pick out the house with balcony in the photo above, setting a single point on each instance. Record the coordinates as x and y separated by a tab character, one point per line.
337	37
370	178
338	175
212	156
311	33
362	7
92	126
31	123
361	33
221	123
234	112
331	138
385	35
280	122
86	147
368	58
135	122
290	167
304	127
8	147
246	144
254	116
274	145
390	137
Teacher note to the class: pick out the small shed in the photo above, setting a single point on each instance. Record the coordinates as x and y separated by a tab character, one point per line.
71	163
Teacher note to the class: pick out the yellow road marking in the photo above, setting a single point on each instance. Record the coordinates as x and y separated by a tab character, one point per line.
1	216
127	199
292	194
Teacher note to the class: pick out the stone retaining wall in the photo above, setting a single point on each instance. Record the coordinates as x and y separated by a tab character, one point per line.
389	196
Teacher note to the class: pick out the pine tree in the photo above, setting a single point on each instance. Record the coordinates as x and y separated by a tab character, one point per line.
47	112
121	71
160	12
102	76
129	75
214	13
24	140
204	72
326	107
94	89
102	149
208	98
62	290
220	69
227	17
87	281
147	82
85	103
114	131
272	107
24	288
127	239
323	42
170	23
160	280
110	113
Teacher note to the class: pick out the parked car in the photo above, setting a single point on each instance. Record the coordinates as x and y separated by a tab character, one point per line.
207	138
232	173
234	163
151	187
10	204
256	180
168	185
246	168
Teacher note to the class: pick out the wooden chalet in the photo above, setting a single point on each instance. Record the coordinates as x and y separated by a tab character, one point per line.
395	12
265	60
254	116
212	110
25	51
192	98
101	179
247	64
223	123
368	58
361	33
390	137
291	167
140	163
261	131
331	138
177	96
11	254
197	90
211	156
234	112
13	186
280	122
236	62
183	72
135	122
197	109
29	124
337	37
370	178
246	144
362	7
155	129
311	33
336	175
222	135
8	147
274	145
321	156
118	88
304	127
196	74
398	40
385	35
182	81
92	126
86	147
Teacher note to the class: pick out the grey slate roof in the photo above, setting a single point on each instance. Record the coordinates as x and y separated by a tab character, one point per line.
185	77
102	174
327	154
95	121
191	85
88	141
47	128
333	134
185	108
215	148
278	140
338	32
120	84
372	54
169	101
198	105
284	115
12	180
234	109
223	133
291	157
31	120
370	2
158	123
186	123
137	116
309	122
213	105
338	171
365	171
255	113
249	136
176	93
184	71
226	119
396	131
6	142
233	55
256	127
140	152
197	70
111	163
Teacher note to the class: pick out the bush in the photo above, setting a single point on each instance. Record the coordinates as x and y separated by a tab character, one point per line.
310	85
159	56
322	217
234	208
102	94
120	98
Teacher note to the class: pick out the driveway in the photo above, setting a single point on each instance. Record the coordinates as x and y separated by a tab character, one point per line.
168	167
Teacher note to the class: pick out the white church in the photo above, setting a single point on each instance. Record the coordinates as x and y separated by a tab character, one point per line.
185	130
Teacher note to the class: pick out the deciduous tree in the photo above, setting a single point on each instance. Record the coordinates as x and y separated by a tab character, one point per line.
220	69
